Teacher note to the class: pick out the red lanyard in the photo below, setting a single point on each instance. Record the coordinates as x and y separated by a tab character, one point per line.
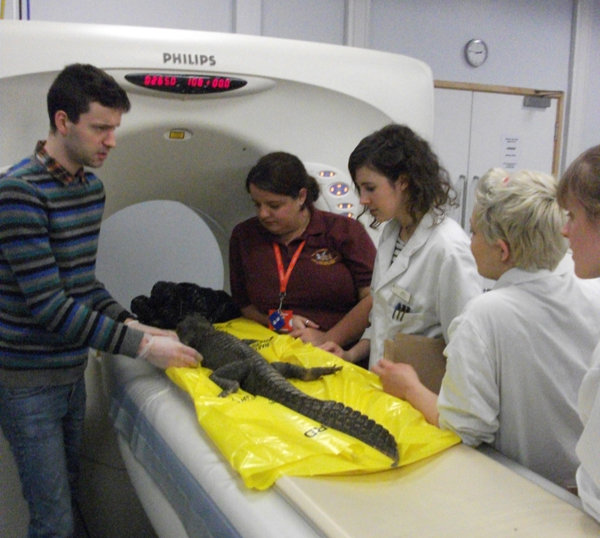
284	277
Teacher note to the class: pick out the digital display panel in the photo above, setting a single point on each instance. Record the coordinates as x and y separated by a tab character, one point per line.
185	83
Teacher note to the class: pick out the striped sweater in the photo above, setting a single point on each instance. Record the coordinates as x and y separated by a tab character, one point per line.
52	308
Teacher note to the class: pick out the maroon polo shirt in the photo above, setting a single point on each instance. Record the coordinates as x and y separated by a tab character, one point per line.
335	262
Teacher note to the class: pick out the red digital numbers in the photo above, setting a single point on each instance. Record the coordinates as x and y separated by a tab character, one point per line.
195	82
221	83
159	80
185	83
213	82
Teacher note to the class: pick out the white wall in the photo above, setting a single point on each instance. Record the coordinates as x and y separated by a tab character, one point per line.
583	108
547	44
210	15
528	40
311	20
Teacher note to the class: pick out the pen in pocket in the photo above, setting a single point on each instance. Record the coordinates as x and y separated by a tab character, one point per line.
399	311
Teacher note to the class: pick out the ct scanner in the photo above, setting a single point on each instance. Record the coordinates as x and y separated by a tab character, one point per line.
205	107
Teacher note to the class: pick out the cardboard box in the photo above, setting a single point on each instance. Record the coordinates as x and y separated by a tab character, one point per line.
425	355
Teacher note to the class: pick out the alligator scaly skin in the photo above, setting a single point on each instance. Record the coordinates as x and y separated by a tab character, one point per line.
237	365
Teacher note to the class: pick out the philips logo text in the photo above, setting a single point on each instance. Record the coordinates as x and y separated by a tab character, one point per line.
181	58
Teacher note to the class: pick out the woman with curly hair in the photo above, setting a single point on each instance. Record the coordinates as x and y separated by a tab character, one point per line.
424	271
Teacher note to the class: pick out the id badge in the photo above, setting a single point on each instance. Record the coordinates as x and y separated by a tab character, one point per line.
280	320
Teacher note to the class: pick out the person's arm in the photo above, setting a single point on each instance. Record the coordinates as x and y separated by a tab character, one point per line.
401	380
237	268
27	249
24	238
358	252
150	329
356	353
458	283
251	312
350	328
238	245
347	330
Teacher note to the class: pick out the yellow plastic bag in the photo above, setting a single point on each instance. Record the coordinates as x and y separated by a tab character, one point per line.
264	440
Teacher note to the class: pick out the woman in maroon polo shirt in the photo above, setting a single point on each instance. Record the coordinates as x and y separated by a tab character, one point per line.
295	268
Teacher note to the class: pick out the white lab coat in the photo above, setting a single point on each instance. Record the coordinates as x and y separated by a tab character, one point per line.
515	361
588	473
435	275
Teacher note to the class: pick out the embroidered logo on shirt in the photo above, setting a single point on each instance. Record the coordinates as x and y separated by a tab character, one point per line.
324	256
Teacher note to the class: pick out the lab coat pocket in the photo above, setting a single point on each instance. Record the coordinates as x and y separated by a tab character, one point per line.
410	323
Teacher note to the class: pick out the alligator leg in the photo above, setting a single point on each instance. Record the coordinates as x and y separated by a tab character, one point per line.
230	376
294	371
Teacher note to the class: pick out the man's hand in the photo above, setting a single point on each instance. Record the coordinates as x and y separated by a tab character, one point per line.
165	352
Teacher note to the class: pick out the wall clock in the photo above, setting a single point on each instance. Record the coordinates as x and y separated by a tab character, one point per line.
476	52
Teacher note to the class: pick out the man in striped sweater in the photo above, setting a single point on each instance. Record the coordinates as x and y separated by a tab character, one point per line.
52	308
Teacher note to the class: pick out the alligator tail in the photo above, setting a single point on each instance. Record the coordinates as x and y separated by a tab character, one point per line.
338	416
352	422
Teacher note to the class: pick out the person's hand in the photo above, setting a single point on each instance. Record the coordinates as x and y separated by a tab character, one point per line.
307	330
401	380
165	352
397	378
334	348
135	324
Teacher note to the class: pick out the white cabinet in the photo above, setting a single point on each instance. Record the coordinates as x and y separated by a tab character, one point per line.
479	127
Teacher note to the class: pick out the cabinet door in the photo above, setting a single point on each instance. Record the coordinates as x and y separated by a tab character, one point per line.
478	130
452	138
507	134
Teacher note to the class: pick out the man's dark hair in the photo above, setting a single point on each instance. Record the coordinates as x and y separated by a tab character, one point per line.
78	85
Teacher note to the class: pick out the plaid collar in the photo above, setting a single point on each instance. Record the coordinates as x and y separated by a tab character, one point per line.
57	171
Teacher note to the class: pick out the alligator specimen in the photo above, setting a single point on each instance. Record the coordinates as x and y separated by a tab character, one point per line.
235	364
